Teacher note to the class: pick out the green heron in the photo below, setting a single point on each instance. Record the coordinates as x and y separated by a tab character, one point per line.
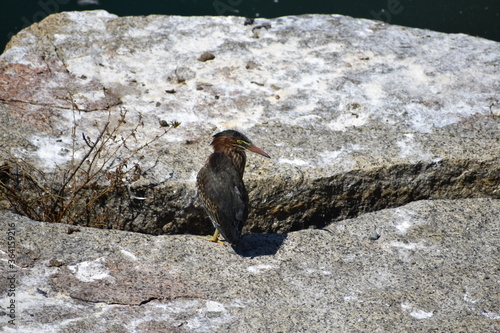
220	184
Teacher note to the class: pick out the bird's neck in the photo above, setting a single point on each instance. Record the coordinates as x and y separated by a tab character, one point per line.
237	157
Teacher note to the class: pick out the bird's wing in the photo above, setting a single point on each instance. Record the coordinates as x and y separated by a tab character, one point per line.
225	195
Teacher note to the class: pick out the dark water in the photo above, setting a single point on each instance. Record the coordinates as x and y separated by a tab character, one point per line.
477	18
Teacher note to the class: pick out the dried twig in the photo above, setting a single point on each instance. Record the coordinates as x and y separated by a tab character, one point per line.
72	194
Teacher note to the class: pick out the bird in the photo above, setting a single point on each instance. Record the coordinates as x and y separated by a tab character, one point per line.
220	184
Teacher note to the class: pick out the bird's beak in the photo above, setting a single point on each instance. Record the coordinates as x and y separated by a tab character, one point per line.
257	150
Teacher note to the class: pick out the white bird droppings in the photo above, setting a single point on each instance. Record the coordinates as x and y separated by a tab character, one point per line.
257	269
421	314
89	271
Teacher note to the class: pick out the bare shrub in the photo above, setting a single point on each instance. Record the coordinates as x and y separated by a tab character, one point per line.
76	193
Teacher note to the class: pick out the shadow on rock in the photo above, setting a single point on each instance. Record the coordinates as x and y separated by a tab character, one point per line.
255	245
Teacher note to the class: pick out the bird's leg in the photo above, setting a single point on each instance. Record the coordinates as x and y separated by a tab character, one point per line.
214	238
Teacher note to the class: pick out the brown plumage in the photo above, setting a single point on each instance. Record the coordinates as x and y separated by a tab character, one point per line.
220	184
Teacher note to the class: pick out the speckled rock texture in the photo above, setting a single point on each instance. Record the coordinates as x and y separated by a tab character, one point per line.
357	115
429	266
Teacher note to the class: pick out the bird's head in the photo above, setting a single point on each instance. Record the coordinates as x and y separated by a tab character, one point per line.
233	140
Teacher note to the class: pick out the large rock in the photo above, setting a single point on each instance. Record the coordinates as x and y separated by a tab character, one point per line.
357	115
424	267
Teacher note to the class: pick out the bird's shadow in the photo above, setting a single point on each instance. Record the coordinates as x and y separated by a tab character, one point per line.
255	245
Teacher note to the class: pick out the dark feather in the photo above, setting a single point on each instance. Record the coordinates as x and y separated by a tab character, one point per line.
224	195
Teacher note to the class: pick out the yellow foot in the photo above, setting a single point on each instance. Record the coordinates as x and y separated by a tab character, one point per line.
214	238
211	239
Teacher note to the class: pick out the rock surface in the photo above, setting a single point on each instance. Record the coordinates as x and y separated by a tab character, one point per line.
423	267
361	118
357	115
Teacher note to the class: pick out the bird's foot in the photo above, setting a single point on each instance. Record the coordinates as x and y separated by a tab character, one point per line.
211	239
214	238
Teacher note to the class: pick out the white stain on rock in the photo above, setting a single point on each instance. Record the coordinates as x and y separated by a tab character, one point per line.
295	161
257	269
415	312
405	220
129	254
421	314
209	317
89	271
491	315
408	246
51	151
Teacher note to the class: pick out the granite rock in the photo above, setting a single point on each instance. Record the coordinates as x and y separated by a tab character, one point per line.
357	115
433	266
